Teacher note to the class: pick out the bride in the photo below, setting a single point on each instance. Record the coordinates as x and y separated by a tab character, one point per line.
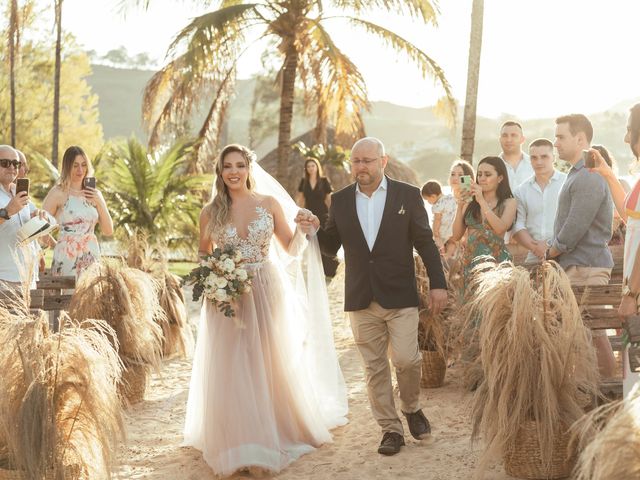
268	391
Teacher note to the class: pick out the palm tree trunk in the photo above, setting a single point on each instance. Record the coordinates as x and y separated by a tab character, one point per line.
56	84
286	113
13	47
473	75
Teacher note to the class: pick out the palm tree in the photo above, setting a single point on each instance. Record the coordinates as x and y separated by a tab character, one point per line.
206	52
14	46
56	82
152	192
473	76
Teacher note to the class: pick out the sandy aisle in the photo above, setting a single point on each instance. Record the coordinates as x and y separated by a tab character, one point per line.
153	448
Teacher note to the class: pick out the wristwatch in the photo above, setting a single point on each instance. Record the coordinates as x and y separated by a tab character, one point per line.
4	213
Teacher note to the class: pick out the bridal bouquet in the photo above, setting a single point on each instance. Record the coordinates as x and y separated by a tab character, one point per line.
220	278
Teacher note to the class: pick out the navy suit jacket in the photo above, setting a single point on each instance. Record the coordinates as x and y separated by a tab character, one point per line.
386	273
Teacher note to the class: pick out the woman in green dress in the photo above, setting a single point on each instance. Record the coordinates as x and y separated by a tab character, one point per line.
485	212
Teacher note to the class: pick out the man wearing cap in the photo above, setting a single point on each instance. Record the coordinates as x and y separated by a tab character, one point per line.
14	213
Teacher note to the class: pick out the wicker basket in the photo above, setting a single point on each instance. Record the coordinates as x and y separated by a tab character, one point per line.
133	383
434	368
525	459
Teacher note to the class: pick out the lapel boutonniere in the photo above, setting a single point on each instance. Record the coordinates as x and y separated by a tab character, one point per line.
402	210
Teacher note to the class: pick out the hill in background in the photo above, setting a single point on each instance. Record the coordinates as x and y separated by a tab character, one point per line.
413	135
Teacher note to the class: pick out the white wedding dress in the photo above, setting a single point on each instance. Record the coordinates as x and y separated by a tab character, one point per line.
266	393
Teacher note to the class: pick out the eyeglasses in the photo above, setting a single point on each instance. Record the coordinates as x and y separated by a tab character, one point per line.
363	161
8	162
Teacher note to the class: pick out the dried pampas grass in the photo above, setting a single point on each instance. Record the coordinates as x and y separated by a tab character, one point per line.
535	354
125	298
59	412
609	439
176	335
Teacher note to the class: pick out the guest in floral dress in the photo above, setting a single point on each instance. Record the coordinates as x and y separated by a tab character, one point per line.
77	208
486	212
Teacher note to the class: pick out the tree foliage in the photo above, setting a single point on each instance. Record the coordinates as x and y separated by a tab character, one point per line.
152	192
79	122
204	56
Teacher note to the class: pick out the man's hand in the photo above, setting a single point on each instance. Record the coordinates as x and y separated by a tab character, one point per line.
307	221
17	203
438	298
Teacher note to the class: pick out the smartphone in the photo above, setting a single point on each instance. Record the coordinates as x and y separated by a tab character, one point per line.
589	159
22	185
465	182
89	182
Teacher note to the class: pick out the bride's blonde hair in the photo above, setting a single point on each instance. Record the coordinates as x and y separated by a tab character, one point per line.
219	207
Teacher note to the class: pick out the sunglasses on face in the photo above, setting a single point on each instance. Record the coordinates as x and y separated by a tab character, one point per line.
8	162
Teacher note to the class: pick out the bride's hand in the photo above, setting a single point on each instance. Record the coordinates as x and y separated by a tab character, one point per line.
307	222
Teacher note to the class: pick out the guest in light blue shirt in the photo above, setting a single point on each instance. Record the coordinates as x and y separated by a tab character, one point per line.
538	201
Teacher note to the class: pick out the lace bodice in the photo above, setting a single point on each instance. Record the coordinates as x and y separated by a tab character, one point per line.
254	248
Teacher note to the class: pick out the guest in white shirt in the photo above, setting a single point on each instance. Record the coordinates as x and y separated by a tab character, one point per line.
538	201
517	162
23	171
14	212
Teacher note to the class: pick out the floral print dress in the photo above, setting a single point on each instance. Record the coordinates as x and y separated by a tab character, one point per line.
481	241
77	246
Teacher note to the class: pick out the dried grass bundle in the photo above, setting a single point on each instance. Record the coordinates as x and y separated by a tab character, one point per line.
432	335
176	334
59	411
609	439
125	298
535	353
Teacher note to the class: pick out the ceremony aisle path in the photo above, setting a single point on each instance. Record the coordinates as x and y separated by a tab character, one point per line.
154	428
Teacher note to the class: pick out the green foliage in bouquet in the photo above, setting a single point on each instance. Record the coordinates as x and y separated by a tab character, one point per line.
220	278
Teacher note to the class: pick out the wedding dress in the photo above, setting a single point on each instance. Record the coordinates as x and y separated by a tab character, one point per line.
267	392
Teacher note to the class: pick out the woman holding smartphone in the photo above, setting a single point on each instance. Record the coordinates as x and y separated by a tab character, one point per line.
486	211
77	206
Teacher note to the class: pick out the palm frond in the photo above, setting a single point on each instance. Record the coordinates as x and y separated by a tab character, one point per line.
212	43
424	10
333	83
427	65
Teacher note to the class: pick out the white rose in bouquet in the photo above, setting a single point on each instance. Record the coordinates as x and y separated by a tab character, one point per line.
221	295
241	274
221	282
210	282
228	265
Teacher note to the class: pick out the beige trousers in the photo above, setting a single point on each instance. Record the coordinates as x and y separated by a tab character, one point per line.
583	276
379	332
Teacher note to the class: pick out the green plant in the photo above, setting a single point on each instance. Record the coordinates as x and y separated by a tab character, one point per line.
152	192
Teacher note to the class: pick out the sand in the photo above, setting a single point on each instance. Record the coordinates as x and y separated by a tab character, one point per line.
154	427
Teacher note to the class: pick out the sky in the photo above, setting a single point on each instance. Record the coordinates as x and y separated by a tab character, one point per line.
540	58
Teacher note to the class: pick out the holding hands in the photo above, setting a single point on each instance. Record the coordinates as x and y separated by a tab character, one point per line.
307	222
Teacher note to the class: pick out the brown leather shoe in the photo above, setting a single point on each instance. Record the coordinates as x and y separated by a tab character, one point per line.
418	425
391	443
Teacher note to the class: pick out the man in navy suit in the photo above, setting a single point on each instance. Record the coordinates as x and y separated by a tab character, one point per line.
379	221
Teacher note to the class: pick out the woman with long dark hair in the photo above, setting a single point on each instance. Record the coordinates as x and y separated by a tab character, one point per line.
486	212
314	193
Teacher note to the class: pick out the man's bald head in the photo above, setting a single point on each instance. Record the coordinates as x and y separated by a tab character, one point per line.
8	172
7	151
369	142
